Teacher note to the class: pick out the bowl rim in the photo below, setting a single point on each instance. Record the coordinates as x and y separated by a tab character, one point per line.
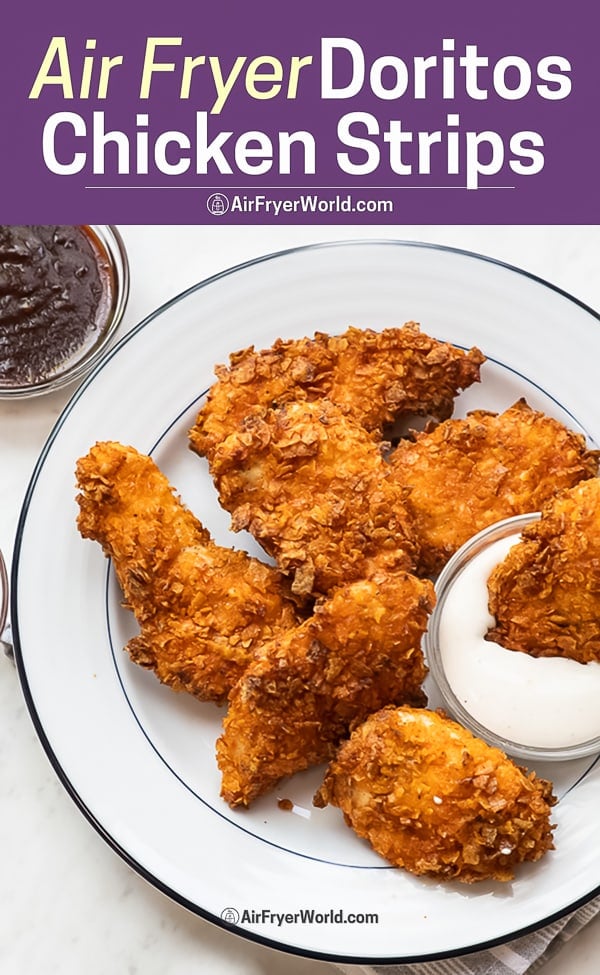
451	571
4	598
113	244
400	955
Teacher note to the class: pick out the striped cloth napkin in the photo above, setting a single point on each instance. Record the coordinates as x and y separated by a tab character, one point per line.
523	955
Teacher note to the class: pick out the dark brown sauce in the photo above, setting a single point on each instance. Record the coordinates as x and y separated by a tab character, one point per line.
56	291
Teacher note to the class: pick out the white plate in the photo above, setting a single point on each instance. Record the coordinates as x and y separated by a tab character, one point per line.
138	759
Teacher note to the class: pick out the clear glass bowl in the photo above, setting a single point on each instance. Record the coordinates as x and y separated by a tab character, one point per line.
147	393
439	667
110	245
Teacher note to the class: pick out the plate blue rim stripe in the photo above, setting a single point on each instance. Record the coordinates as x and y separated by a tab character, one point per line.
18	650
146	733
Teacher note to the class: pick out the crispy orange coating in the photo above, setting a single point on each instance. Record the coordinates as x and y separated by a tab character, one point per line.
545	595
314	490
466	474
435	800
359	651
202	608
375	377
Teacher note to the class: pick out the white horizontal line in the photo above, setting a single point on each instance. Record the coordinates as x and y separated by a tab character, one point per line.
283	189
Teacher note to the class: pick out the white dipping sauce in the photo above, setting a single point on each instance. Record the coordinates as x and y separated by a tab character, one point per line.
548	702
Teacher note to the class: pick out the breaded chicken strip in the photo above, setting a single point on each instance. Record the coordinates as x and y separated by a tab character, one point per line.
314	490
433	799
359	651
466	474
202	608
545	595
375	377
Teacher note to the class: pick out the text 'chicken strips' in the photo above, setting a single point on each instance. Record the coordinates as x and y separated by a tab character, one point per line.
435	800
202	608
306	689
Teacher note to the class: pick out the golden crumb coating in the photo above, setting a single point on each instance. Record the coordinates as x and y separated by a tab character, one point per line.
435	800
315	491
375	377
359	651
202	608
545	595
466	474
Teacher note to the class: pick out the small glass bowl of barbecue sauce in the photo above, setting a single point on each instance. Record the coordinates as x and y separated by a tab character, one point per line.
63	292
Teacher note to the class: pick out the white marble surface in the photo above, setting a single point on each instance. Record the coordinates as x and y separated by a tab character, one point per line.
68	904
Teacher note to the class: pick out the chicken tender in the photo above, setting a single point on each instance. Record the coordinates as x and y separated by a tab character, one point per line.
314	490
435	800
545	595
375	377
303	692
202	608
466	474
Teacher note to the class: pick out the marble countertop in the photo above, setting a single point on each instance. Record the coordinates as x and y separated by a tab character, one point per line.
69	904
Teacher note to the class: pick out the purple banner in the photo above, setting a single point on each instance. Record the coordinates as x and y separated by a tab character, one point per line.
438	112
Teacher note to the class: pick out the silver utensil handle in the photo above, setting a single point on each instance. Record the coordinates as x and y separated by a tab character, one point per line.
5	635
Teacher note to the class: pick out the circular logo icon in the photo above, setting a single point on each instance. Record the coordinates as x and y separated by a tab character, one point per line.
230	915
217	204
